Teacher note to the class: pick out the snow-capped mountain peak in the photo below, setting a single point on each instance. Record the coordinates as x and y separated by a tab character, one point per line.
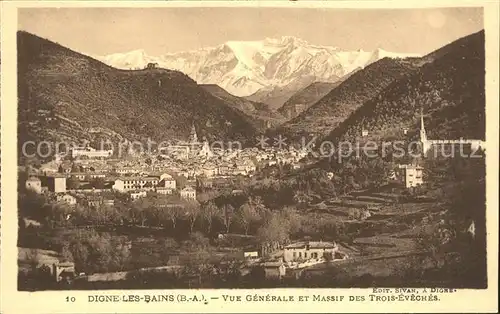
243	67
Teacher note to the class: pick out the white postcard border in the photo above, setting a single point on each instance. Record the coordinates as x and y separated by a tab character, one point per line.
57	302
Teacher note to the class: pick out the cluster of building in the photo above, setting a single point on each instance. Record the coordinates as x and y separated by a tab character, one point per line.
201	165
297	255
196	162
136	186
194	158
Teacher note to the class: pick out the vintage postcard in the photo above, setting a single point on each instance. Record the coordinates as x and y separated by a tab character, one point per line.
249	156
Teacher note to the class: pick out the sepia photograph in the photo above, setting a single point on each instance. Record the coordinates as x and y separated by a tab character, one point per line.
251	148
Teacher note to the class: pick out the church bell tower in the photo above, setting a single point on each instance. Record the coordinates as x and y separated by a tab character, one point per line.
193	137
423	134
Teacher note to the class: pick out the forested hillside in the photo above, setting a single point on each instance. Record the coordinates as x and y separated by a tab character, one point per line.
449	88
324	116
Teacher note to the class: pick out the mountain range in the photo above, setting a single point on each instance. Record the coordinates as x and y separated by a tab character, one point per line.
385	97
64	95
244	67
67	96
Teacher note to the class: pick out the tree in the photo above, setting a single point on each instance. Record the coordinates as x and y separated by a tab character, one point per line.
173	213
247	215
98	183
148	161
196	242
167	245
377	171
59	213
227	216
33	205
209	211
32	259
139	211
75	168
292	218
193	212
301	197
119	253
257	204
95	252
198	254
72	183
80	253
274	232
66	254
180	180
433	243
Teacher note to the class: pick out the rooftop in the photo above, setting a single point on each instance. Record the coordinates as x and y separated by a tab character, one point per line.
138	178
404	166
272	264
312	245
55	175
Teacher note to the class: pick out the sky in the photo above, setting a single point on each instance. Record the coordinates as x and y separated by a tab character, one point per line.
103	31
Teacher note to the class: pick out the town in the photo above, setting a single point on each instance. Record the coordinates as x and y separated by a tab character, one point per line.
184	185
275	162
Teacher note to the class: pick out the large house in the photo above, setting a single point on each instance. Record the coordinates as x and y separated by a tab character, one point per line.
90	152
188	193
410	175
91	175
126	184
302	251
34	184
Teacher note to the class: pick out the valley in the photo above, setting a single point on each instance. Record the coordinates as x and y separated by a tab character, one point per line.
266	213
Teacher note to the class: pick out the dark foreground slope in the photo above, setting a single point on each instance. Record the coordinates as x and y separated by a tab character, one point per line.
64	95
448	87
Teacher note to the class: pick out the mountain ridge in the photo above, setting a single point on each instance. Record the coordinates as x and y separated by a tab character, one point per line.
64	94
326	114
306	97
448	87
244	67
262	117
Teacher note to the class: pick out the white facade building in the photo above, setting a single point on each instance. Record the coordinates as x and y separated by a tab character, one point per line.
90	152
188	193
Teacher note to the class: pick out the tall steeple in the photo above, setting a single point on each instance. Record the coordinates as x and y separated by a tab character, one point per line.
426	145
423	134
193	137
